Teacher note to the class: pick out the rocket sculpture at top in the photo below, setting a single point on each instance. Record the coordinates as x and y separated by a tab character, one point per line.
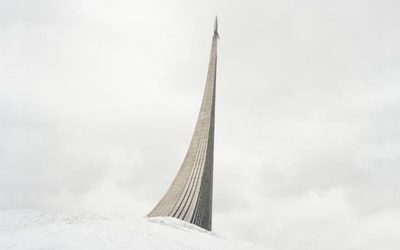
189	197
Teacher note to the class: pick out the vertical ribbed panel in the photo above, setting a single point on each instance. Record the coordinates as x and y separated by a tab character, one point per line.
189	197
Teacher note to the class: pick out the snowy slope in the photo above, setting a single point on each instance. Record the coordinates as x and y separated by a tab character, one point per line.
33	230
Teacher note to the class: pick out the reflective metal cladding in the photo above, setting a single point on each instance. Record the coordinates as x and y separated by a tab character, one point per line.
189	197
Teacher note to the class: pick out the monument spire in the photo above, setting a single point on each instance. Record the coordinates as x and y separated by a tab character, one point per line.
216	27
189	197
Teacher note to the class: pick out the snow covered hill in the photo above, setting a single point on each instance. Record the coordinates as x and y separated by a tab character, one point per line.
23	230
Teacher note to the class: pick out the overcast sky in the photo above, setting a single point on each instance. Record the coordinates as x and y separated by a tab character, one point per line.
98	102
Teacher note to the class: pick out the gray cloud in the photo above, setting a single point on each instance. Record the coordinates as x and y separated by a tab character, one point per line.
98	101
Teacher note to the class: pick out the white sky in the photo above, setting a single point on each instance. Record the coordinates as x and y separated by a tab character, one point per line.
98	101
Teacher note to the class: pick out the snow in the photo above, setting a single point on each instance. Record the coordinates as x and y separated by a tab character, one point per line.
34	230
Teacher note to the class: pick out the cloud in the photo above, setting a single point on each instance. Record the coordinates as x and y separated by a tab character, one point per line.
98	101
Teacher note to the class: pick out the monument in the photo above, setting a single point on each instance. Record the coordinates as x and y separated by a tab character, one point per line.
189	197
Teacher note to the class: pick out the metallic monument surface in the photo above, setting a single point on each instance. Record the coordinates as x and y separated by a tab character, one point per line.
189	197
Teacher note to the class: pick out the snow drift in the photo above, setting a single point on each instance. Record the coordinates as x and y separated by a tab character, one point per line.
33	230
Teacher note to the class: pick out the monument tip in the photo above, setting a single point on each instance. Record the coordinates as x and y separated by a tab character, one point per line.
216	28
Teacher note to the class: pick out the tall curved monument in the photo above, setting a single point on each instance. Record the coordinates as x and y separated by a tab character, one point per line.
189	197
